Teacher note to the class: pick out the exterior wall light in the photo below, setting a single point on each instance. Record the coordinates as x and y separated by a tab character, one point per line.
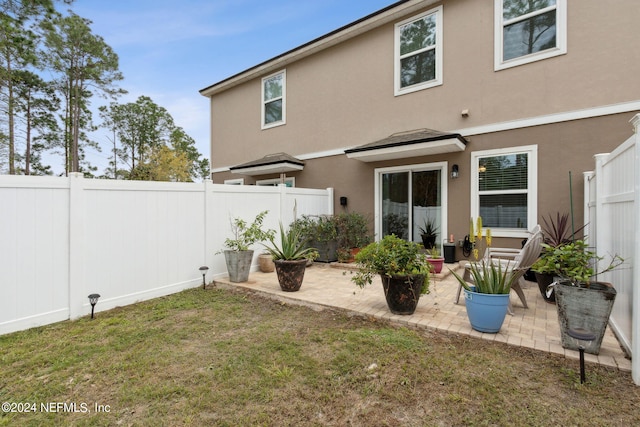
454	172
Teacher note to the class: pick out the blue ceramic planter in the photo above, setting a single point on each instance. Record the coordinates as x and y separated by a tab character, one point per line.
486	312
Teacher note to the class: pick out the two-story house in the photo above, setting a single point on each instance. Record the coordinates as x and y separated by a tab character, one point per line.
439	109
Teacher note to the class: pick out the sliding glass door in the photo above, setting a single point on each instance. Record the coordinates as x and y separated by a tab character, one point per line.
410	197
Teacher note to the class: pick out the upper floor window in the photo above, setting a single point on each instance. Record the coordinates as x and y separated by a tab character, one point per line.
504	189
273	100
418	52
529	30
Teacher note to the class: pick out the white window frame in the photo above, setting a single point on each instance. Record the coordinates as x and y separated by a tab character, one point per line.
263	102
532	187
236	181
276	181
398	90
561	36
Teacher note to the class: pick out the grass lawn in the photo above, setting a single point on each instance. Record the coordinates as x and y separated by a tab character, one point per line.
226	358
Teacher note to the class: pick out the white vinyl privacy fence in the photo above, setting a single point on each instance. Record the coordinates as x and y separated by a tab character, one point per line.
62	239
612	215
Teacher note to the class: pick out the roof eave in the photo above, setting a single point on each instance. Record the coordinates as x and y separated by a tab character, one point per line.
369	22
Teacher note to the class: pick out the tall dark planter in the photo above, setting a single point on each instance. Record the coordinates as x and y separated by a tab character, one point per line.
428	241
402	292
545	280
290	273
587	308
327	251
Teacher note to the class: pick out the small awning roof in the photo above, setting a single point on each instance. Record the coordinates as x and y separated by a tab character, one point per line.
271	163
422	142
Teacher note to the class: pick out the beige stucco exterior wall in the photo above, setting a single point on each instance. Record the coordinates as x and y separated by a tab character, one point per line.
343	97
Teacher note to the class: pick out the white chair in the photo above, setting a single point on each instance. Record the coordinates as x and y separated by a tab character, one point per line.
517	261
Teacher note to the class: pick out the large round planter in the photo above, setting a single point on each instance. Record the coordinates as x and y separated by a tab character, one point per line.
545	280
265	262
486	312
238	265
587	308
437	264
402	292
290	273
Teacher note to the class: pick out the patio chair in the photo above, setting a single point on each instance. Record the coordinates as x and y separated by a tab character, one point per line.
517	261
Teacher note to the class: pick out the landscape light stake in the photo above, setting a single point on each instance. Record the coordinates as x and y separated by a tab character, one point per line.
203	271
93	299
583	338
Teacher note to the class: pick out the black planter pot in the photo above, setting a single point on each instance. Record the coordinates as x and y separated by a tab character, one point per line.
428	241
290	273
545	280
402	292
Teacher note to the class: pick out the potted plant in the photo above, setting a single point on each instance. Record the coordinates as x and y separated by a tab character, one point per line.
429	233
290	258
435	259
319	232
487	299
581	302
238	254
557	232
353	235
403	268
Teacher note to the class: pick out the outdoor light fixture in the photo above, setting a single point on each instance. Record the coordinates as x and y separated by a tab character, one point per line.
93	299
454	172
203	271
583	338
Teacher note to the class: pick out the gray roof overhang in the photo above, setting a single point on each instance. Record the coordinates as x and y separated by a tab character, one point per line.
423	142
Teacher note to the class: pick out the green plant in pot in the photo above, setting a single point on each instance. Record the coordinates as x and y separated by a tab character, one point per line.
486	286
290	257
428	233
319	232
353	234
238	253
435	259
557	232
582	303
403	268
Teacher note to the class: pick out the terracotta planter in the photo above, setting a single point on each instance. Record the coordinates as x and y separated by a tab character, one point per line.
238	265
402	292
587	308
290	273
437	264
265	261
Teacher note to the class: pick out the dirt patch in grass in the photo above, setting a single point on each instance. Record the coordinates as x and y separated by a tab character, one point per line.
220	357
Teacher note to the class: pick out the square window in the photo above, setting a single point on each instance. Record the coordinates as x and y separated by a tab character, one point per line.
528	31
504	191
418	52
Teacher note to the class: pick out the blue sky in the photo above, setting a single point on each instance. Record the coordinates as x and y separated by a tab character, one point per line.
169	50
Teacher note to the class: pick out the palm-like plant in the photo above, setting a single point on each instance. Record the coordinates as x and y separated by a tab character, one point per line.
292	246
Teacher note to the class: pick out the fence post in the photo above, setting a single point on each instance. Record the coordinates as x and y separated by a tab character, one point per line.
76	246
589	219
209	224
330	199
635	304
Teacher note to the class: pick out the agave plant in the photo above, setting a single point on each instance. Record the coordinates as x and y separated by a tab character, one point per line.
292	246
489	278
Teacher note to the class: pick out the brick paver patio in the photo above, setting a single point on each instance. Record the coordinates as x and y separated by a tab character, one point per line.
534	327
